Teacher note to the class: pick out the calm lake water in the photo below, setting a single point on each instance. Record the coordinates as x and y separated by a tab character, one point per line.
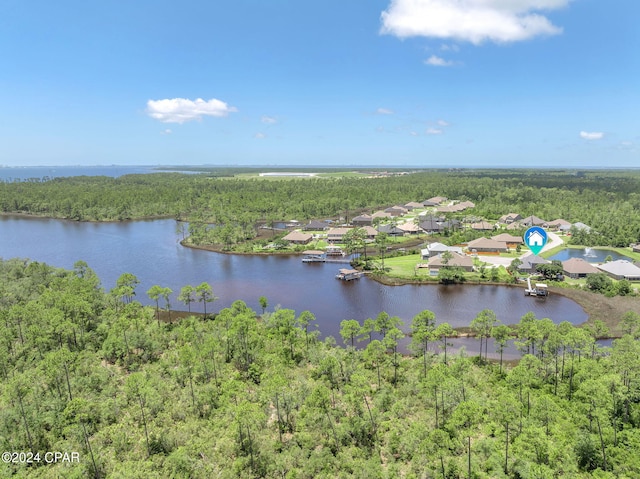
588	254
151	251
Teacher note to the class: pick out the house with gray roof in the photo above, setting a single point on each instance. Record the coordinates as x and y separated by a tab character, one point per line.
434	249
509	218
530	262
362	220
315	225
621	269
391	230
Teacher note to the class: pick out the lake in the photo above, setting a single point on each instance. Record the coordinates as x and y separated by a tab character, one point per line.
151	251
592	255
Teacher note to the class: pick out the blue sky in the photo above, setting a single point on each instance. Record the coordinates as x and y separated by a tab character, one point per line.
520	83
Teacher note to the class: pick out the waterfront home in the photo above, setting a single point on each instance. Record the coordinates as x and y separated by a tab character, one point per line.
636	248
578	268
621	269
457	259
297	237
336	235
511	240
434	249
487	245
530	262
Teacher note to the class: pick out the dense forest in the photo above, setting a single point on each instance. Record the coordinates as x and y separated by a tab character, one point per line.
246	394
607	201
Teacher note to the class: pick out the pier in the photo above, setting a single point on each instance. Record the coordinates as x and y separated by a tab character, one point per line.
540	289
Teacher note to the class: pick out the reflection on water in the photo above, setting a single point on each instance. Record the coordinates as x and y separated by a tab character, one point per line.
150	250
592	255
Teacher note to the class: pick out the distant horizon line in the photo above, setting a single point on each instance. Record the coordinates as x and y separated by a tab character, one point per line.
394	167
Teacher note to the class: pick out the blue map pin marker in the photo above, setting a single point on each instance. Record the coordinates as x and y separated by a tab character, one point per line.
535	238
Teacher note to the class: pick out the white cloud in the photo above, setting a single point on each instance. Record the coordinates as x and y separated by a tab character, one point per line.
259	136
434	131
591	135
474	21
166	132
384	111
181	110
443	123
268	120
436	61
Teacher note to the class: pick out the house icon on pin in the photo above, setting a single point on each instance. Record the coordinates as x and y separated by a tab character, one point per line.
535	239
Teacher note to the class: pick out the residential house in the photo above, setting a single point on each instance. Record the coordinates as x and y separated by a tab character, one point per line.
462	261
431	226
530	262
428	203
487	245
578	268
396	211
434	249
297	237
532	221
509	218
482	226
621	269
362	220
410	228
437	200
315	225
451	225
512	241
381	214
336	235
391	230
558	225
636	248
413	205
371	232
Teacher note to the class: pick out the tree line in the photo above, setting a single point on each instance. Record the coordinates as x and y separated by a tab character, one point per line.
606	201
